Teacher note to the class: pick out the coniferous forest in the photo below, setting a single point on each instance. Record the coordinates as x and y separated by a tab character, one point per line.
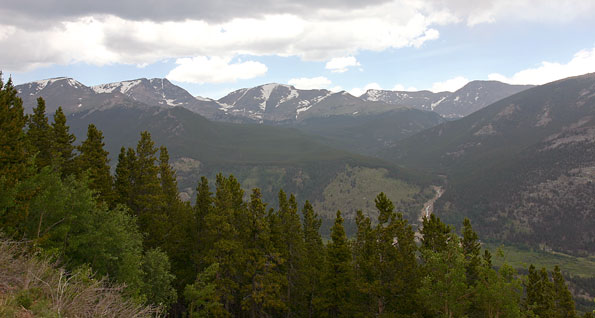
125	241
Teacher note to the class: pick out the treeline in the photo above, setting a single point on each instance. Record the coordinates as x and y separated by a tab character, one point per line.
228	254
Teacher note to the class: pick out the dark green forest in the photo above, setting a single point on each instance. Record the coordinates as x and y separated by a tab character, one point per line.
228	254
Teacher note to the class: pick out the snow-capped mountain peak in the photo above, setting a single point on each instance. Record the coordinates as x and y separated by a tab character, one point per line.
123	87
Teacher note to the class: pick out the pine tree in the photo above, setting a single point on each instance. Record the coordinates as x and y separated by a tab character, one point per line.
540	293
496	293
337	280
364	254
386	262
39	135
471	250
562	297
13	157
124	179
263	281
177	225
202	208
435	234
444	291
314	258
201	296
292	253
147	199
62	144
93	160
222	239
167	176
399	275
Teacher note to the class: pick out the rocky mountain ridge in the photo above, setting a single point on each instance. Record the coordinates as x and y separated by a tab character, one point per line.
472	97
265	103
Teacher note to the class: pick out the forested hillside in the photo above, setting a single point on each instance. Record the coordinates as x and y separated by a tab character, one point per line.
226	255
522	168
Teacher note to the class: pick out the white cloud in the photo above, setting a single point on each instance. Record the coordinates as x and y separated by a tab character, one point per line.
357	91
202	69
310	82
449	85
341	64
62	32
318	36
582	62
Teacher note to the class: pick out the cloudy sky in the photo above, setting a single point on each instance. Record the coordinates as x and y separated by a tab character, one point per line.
211	47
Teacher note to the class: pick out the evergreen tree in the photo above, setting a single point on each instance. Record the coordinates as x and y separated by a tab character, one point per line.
262	286
147	200
471	250
223	242
496	294
292	253
178	224
313	258
337	278
364	254
63	144
563	298
540	293
124	178
386	262
202	208
39	135
202	298
444	291
156	272
93	160
397	264
13	157
167	176
435	234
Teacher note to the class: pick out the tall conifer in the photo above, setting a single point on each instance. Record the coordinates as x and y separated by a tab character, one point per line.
314	258
562	296
62	144
93	160
337	280
292	253
39	135
13	157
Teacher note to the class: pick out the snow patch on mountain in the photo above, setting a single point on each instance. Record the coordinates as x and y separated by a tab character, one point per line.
434	104
373	95
171	102
39	85
109	88
293	93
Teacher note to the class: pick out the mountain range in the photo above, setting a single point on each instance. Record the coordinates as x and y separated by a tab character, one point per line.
273	103
472	97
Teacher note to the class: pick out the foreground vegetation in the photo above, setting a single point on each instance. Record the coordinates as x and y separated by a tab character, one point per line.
228	255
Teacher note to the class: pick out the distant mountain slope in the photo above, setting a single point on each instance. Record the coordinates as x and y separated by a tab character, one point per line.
475	96
466	100
424	100
522	168
268	157
278	103
161	92
369	134
68	93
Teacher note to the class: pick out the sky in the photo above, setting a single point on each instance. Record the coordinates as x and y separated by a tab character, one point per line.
212	47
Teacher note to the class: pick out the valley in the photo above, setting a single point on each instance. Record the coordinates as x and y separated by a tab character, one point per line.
520	167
